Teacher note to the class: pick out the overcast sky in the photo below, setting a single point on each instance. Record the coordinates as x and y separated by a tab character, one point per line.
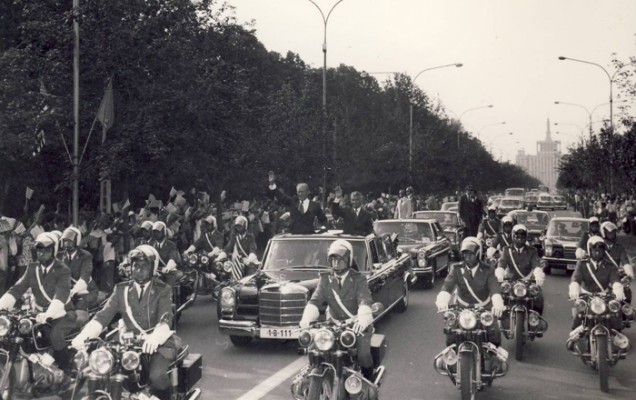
509	49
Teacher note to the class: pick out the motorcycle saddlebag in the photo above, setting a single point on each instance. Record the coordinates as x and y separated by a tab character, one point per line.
378	348
190	371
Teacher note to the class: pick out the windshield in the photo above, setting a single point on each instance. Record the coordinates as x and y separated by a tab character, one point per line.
445	219
510	203
308	254
567	229
533	219
515	192
407	231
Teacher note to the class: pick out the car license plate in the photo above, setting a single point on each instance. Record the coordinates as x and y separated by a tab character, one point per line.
279	333
571	267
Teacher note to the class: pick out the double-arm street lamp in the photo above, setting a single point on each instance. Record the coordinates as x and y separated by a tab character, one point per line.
464	113
487	126
325	20
497	137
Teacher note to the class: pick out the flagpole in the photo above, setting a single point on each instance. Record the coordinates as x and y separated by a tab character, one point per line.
76	112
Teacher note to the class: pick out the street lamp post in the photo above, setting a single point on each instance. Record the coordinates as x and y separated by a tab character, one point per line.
575	125
497	137
462	114
457	65
324	99
489	125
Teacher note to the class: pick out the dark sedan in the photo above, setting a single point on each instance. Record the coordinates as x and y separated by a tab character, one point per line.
536	222
560	242
454	230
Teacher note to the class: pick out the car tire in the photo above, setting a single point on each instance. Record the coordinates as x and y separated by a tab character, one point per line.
547	269
240	341
404	302
430	282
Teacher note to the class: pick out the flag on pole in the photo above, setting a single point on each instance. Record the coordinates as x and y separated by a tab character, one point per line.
29	193
126	204
173	192
106	112
40	140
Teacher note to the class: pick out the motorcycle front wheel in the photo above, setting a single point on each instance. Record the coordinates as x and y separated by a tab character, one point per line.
321	387
603	366
520	321
467	376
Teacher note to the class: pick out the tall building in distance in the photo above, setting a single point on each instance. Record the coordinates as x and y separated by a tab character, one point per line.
543	166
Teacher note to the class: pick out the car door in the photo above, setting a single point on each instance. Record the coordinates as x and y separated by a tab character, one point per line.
442	247
377	276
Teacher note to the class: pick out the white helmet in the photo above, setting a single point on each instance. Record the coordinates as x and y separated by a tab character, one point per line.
73	234
148	252
47	239
342	248
471	244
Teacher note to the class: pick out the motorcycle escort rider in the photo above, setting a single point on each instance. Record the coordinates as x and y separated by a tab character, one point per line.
504	238
144	234
346	292
169	257
489	226
595	230
242	246
476	285
521	261
616	254
211	240
50	282
594	275
84	291
145	304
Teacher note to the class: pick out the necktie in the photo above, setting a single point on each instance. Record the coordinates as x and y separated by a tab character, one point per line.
339	283
141	293
300	207
43	271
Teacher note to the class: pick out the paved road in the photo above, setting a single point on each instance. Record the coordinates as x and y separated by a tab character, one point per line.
264	369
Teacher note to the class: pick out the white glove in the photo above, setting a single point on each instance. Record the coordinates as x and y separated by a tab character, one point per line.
365	318
56	310
573	290
619	291
490	253
442	301
629	270
215	252
498	306
170	266
90	331
41	318
539	276
500	274
580	254
251	259
158	337
310	314
222	256
190	249
7	302
79	287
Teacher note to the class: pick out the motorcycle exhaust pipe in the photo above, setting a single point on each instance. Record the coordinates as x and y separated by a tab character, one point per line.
378	375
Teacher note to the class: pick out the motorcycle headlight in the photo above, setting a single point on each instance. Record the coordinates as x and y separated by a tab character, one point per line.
192	259
205	259
598	305
324	339
505	287
520	289
489	242
25	326
534	290
467	319
614	306
305	338
533	319
627	310
348	338
450	319
353	384
580	305
487	318
450	357
5	325
228	299
79	359
227	266
130	360
101	361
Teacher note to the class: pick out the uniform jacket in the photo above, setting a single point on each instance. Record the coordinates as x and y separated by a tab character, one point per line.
353	224
81	266
56	284
606	274
484	284
617	255
527	259
354	293
167	251
490	227
300	223
502	239
209	241
247	241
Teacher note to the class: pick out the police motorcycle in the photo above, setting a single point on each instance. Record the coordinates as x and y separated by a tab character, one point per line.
116	370
471	362
27	368
597	341
215	273
523	322
333	371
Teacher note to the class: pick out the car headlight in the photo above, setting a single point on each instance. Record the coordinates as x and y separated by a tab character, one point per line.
324	339
130	360
5	325
305	338
421	262
228	299
25	326
467	319
101	361
450	319
598	305
520	289
487	318
192	259
227	266
614	306
580	305
353	384
348	338
505	287
548	248
205	259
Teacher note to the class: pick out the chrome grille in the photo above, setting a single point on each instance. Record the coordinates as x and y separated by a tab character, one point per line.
569	252
281	309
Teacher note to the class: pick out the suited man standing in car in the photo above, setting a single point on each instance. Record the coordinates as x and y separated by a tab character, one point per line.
356	220
303	212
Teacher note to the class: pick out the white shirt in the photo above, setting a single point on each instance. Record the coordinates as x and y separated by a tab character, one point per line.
138	287
341	279
47	268
305	205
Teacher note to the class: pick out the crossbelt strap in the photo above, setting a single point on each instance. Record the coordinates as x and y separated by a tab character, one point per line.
514	264
491	228
466	304
46	296
472	292
594	277
342	306
612	259
130	313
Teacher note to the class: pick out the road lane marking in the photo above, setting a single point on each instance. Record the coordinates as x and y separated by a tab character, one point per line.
260	390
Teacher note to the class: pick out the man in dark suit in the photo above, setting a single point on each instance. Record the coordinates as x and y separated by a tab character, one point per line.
471	210
356	220
346	292
303	212
50	282
84	291
145	305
